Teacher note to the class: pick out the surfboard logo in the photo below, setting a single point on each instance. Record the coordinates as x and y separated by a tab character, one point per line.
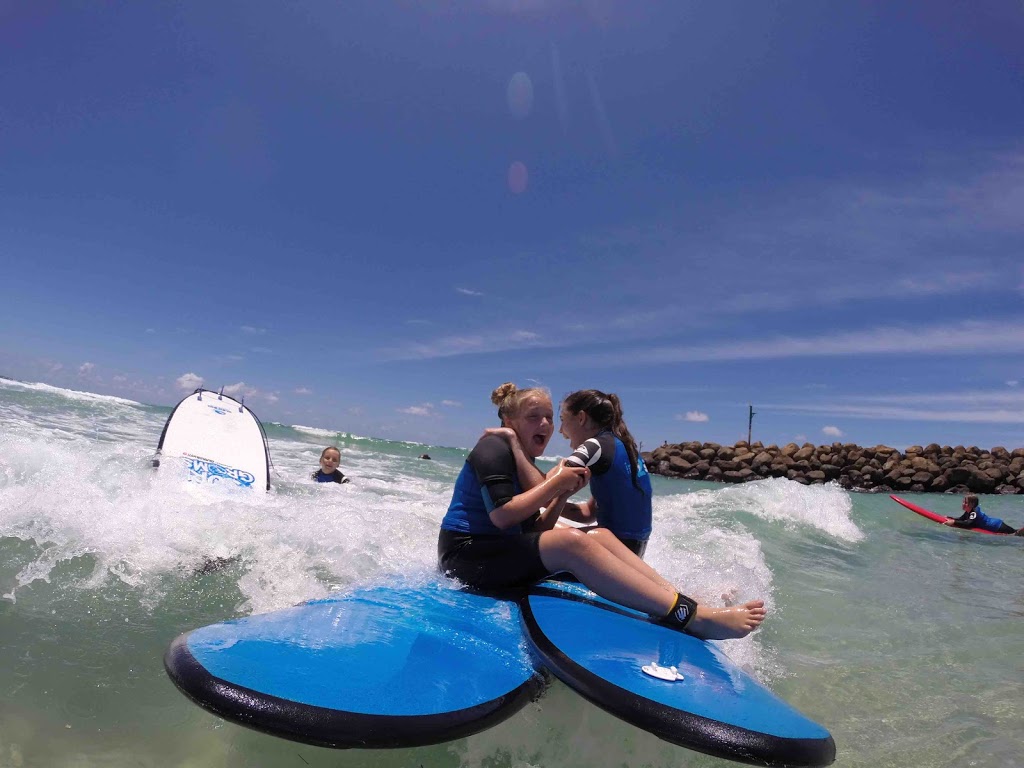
218	410
209	471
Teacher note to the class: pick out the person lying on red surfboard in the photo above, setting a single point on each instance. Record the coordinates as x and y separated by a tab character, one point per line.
973	517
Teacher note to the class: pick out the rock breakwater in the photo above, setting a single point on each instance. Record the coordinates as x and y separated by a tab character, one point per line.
881	469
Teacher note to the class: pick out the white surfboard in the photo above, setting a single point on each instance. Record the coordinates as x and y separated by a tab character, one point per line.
219	439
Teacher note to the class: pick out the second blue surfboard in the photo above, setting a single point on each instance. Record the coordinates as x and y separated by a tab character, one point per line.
601	649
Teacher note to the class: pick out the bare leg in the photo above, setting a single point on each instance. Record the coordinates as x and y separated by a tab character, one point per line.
567	549
616	578
611	542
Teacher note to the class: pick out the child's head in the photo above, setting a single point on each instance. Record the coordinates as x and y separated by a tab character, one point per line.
330	459
603	412
970	502
529	412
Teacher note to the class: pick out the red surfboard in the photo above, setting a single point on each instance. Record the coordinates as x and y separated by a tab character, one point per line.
938	518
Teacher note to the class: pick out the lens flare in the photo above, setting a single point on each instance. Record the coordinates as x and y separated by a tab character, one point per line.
519	95
517	178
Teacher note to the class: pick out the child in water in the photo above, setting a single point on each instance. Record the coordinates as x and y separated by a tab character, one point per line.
329	472
973	517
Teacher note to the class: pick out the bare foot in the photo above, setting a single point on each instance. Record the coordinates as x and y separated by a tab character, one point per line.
727	623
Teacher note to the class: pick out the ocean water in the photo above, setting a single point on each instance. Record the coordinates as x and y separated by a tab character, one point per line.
902	637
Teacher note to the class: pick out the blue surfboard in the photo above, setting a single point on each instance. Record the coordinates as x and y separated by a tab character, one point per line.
380	667
706	703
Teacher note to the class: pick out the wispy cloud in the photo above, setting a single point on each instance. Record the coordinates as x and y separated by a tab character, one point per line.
452	346
965	338
253	330
467	291
451	403
832	431
303	391
827	245
86	368
980	407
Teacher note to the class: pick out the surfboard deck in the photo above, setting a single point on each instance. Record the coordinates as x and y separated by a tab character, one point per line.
219	439
380	667
600	649
937	517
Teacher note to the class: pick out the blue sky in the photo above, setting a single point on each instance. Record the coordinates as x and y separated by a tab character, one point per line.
367	215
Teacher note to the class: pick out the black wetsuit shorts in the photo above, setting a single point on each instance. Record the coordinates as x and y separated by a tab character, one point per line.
491	562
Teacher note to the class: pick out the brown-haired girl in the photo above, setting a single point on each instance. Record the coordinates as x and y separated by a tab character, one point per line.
499	531
621	488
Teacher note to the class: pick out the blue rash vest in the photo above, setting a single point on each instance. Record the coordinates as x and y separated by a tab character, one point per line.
621	507
488	479
978	519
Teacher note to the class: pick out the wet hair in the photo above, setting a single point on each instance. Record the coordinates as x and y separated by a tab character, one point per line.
509	398
972	500
606	411
330	448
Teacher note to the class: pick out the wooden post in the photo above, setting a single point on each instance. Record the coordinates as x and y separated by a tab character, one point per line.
750	421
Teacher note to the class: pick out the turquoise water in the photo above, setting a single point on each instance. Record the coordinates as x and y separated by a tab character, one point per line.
900	636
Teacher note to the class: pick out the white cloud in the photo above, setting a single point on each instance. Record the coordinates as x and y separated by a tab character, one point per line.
303	391
250	329
832	431
451	403
467	292
271	397
427	409
189	381
85	368
697	416
241	388
524	336
1012	383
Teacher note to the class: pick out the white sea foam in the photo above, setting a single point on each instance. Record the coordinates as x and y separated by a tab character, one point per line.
317	431
70	394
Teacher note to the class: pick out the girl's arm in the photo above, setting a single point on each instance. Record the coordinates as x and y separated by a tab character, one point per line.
527	472
580	513
548	516
561	481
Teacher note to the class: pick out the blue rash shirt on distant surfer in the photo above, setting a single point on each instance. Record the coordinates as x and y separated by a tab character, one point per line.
622	507
975	518
335	477
488	479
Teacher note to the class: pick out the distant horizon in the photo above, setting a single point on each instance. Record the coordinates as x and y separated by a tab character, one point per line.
370	215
